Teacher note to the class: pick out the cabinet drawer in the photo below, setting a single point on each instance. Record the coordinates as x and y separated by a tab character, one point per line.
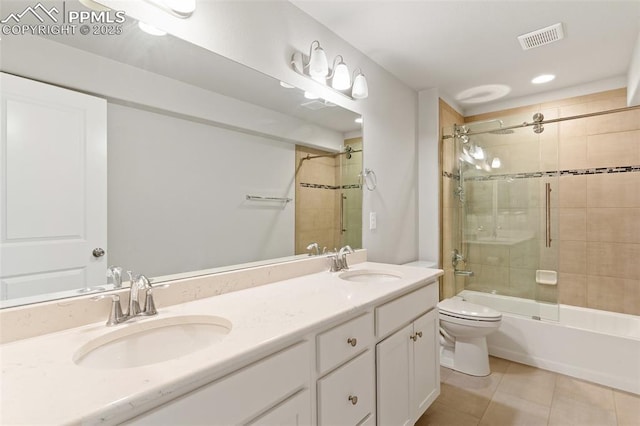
344	342
239	396
395	314
337	392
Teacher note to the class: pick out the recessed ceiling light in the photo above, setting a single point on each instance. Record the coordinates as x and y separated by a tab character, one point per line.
358	120
544	78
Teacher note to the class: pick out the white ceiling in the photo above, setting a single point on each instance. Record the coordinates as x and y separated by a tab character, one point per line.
458	45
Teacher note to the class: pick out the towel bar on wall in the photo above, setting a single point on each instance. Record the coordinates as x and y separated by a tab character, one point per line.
260	198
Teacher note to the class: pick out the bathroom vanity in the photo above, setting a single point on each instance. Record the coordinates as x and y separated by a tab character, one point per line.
345	348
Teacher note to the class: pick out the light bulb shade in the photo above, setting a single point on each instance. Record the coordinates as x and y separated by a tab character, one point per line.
496	163
341	78
318	64
360	89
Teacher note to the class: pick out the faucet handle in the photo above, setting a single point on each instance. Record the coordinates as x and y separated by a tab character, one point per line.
115	315
313	248
115	272
149	304
343	256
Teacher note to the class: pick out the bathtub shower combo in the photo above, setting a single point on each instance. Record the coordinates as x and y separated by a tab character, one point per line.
504	183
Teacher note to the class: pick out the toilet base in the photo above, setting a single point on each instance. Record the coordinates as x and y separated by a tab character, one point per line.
469	356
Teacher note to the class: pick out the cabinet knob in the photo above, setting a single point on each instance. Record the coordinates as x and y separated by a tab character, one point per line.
419	333
413	337
353	399
352	341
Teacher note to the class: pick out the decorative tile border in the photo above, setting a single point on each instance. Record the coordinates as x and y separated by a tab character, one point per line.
553	173
318	186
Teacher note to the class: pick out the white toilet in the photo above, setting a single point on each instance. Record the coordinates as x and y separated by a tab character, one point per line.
463	330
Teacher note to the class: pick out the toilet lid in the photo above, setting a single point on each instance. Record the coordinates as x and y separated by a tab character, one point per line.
462	309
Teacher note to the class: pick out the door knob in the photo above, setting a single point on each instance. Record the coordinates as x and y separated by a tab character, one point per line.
98	252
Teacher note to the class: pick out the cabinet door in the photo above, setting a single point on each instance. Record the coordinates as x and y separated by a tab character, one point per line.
426	383
394	358
295	411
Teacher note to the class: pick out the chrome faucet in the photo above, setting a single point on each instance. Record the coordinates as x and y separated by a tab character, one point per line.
338	259
343	256
137	283
314	249
115	273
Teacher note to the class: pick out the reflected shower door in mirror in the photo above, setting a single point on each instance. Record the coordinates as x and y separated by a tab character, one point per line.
329	197
509	213
189	135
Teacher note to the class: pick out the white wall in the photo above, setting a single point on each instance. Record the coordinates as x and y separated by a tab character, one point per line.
429	179
263	35
177	203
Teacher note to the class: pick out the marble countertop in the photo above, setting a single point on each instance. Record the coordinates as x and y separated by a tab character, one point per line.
41	384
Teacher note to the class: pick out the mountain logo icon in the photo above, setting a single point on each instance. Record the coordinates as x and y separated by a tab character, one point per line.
39	11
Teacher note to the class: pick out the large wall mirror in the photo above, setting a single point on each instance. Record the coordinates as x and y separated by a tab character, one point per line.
208	165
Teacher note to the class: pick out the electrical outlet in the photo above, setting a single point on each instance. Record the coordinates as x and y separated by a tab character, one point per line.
373	220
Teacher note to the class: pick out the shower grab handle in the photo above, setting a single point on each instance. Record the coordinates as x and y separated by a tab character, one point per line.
547	239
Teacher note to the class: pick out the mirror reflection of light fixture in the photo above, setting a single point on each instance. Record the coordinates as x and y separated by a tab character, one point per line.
310	95
150	29
179	8
317	68
496	163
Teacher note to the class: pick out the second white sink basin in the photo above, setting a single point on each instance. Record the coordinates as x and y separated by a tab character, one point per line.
370	276
150	342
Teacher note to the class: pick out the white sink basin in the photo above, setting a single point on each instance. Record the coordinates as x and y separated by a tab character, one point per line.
150	342
370	276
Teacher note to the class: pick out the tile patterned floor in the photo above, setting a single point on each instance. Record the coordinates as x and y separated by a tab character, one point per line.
516	394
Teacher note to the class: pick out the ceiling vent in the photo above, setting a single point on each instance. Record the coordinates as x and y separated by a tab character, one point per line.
541	37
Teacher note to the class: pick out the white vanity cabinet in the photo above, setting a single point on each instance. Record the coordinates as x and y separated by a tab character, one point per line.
378	367
273	390
406	361
346	395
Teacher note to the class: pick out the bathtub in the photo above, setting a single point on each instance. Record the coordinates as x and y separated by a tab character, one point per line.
598	346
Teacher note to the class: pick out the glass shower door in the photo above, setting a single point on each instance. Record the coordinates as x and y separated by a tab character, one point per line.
509	182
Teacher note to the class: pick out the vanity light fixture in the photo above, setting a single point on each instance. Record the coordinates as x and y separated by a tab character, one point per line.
316	66
496	163
360	89
340	78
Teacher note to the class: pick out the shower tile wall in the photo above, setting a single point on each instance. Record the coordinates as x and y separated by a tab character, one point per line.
598	233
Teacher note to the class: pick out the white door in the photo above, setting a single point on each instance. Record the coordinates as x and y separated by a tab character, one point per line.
53	193
394	367
426	365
